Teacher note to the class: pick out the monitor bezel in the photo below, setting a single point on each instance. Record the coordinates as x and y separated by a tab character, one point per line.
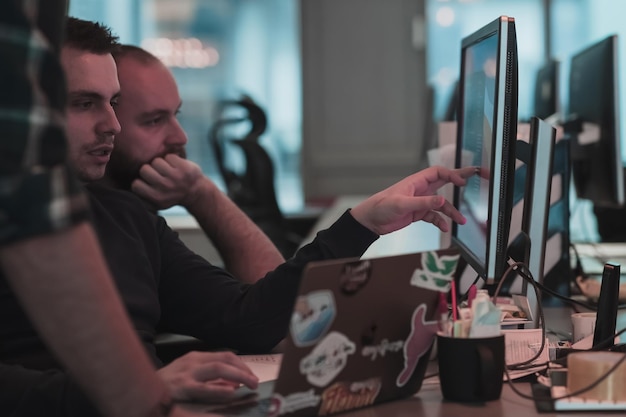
503	139
537	209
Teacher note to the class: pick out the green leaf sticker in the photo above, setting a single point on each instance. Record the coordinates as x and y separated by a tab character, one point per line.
437	271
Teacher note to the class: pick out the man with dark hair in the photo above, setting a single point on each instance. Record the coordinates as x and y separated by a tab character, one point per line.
162	283
48	251
81	34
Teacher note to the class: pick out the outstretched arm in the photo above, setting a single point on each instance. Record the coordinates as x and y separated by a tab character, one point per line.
411	199
247	252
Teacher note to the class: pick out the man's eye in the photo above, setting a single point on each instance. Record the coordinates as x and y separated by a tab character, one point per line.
154	121
114	103
84	105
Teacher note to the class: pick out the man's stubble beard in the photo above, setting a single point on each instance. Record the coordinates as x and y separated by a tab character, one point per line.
122	171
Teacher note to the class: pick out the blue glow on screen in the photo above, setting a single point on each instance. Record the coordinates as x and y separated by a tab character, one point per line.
479	69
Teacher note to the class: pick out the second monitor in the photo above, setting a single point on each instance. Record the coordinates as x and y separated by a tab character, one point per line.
594	126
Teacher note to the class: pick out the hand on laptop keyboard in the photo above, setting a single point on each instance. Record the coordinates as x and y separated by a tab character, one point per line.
207	376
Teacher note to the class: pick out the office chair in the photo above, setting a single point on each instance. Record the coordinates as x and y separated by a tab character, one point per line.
253	190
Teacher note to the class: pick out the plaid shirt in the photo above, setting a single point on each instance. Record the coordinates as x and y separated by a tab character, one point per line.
38	193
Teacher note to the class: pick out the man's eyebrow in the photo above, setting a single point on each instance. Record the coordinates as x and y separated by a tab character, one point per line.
90	95
152	113
159	112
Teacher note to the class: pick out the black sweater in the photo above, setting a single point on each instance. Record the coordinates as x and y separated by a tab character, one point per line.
164	285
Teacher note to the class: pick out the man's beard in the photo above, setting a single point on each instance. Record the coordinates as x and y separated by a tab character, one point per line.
122	171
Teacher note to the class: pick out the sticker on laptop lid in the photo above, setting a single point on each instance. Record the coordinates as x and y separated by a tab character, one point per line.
312	316
382	348
293	402
327	359
344	396
436	271
355	276
417	344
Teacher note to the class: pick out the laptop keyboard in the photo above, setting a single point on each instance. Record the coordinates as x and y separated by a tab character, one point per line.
250	403
260	408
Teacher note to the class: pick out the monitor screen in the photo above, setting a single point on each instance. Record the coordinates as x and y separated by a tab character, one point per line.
546	97
593	120
486	133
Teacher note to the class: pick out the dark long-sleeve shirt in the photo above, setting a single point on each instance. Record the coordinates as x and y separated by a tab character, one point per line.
163	283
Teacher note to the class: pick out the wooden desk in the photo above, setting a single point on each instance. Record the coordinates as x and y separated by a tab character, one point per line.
428	402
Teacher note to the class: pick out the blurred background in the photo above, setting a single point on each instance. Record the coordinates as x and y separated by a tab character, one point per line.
351	88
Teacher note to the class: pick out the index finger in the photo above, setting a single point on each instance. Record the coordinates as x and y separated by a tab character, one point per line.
467	172
437	176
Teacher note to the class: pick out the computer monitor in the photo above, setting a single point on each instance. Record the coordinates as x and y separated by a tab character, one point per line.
546	104
486	134
594	126
537	205
534	151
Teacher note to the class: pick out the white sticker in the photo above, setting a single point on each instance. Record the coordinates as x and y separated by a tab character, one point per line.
327	359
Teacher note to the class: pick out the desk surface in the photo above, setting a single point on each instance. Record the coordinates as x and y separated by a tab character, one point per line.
428	402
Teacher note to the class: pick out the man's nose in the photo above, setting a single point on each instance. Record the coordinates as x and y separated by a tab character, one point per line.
176	136
109	125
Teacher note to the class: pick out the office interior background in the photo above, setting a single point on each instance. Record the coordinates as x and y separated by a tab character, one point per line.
352	88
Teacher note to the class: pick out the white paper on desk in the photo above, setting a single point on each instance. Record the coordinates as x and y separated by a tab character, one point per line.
587	342
584	343
521	345
265	367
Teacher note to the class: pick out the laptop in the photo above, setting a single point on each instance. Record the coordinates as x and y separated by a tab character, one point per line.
360	334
